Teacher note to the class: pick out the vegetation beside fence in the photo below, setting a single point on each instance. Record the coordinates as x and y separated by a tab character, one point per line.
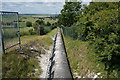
23	63
98	24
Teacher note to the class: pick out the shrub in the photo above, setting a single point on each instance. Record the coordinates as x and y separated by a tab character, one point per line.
28	24
31	31
40	22
42	30
48	24
26	31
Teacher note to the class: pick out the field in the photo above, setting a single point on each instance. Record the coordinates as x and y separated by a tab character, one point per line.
25	18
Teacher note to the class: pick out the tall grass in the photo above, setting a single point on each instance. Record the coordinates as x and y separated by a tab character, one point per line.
81	58
17	65
10	35
25	31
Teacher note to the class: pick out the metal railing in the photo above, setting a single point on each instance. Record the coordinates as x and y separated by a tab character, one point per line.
70	32
9	30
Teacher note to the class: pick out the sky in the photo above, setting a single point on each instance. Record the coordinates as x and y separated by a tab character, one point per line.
34	6
42	0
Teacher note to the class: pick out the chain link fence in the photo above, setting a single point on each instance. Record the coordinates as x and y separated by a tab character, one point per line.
9	30
71	32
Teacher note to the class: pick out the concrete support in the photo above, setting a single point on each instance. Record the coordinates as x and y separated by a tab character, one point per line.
59	63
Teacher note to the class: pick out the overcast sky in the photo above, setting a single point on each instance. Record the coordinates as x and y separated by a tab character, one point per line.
34	6
42	0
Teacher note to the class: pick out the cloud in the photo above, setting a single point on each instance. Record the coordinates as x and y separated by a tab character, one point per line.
13	5
18	0
33	7
44	0
33	0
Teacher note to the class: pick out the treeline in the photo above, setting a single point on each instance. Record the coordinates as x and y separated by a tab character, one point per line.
41	28
97	23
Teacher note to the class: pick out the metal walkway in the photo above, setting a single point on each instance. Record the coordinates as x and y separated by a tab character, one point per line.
58	63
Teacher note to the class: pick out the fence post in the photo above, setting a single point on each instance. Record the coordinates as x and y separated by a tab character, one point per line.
1	36
18	29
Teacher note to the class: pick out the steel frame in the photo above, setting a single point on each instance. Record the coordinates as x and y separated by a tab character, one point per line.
2	27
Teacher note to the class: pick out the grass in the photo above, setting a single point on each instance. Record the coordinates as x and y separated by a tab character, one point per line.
52	33
22	24
25	31
11	37
82	58
10	33
50	20
18	65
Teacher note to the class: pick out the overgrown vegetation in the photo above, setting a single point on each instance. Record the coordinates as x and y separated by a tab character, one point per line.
41	28
28	24
37	24
98	25
69	13
21	63
83	60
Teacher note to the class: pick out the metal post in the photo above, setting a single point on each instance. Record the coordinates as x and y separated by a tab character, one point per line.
18	29
1	37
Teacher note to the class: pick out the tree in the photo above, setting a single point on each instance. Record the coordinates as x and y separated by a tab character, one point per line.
69	13
40	22
36	28
28	24
42	31
99	24
48	24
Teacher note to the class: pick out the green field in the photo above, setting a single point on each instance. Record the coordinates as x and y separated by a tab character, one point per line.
25	18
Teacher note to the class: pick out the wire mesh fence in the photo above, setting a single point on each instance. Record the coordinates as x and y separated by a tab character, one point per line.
10	32
71	32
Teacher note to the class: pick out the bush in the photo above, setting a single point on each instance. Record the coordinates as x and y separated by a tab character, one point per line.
99	24
28	24
40	22
26	31
31	31
42	31
48	24
36	28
